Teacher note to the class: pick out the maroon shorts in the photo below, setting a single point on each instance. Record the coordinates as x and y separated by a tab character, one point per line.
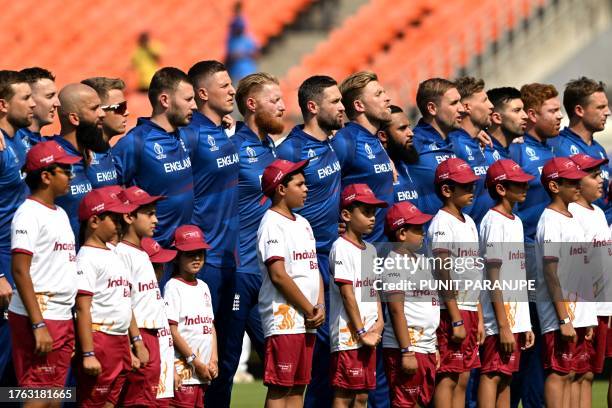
602	343
458	357
410	390
113	353
141	385
493	360
288	359
189	396
558	355
163	402
583	353
33	370
354	369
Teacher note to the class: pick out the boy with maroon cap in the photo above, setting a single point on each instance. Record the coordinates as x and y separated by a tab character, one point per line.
410	346
291	302
506	313
190	314
44	269
147	303
103	302
453	243
169	379
566	311
355	312
597	234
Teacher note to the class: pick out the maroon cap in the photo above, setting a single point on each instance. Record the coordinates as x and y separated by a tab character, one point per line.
561	167
102	200
586	162
506	170
404	213
276	171
156	253
360	193
47	153
136	195
456	170
189	238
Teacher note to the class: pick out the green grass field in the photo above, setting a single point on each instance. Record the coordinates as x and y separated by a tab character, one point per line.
253	395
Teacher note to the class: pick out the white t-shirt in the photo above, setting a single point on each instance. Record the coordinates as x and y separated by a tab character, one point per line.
103	276
597	234
290	240
189	305
44	232
562	238
448	233
501	242
421	306
147	300
353	265
166	354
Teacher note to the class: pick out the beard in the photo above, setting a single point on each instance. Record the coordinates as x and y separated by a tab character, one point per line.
177	119
90	137
19	122
329	123
268	123
398	152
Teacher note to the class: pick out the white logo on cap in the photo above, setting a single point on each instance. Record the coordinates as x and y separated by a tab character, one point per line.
191	234
159	151
47	159
462	166
368	150
213	144
98	208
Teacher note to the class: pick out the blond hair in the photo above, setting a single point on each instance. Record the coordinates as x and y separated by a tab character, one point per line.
250	84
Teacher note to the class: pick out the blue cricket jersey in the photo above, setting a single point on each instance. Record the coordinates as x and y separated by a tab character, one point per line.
323	181
14	191
364	160
405	188
499	151
569	143
468	149
32	137
255	155
531	155
433	150
158	162
215	167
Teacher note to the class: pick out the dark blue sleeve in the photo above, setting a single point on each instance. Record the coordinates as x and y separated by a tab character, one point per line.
289	149
344	147
124	158
515	152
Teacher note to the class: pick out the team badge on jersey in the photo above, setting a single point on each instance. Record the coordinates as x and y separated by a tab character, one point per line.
574	149
369	152
252	154
496	155
311	153
94	159
532	154
212	143
159	151
469	153
433	146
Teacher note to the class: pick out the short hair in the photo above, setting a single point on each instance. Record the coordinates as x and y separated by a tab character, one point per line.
431	90
165	79
103	85
499	97
312	89
204	69
468	86
534	95
7	79
352	87
33	180
34	74
577	92
250	84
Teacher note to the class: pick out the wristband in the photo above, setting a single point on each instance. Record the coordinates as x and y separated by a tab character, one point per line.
405	350
458	323
136	338
361	332
319	306
190	359
565	321
89	354
38	325
1	275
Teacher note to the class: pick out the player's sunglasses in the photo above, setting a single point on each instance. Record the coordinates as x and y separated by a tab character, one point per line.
118	108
